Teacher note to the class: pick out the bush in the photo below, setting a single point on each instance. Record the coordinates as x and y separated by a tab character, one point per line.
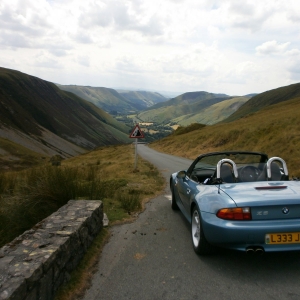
55	186
130	201
38	192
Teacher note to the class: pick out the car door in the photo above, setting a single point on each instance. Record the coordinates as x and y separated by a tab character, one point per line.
187	189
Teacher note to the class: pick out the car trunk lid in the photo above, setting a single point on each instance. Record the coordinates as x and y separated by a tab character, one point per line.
267	200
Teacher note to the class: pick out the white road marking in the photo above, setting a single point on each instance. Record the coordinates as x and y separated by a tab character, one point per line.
169	197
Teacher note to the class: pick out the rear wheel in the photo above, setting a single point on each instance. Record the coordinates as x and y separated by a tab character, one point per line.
174	204
200	244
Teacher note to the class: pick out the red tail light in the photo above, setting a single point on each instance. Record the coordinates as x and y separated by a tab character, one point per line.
237	213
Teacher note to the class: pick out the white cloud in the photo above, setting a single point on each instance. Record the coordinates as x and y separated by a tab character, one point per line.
293	52
84	61
215	45
272	47
58	52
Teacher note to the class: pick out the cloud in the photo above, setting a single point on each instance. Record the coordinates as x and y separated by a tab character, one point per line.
42	60
24	24
82	37
84	61
249	16
221	45
271	48
96	15
121	16
15	40
58	52
24	17
293	52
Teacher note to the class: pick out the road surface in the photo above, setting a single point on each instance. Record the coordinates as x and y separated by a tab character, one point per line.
153	258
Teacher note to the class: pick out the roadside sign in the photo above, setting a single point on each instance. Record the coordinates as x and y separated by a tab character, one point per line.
137	133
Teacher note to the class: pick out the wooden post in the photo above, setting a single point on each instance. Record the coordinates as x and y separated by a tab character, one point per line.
136	154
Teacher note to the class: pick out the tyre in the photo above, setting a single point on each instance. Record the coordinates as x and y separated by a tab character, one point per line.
200	244
173	200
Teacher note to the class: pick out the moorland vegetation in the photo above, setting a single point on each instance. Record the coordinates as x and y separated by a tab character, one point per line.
106	174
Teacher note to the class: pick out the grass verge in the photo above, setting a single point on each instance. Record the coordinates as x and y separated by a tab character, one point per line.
133	189
106	174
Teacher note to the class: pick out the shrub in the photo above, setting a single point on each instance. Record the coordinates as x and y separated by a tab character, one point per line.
129	201
39	192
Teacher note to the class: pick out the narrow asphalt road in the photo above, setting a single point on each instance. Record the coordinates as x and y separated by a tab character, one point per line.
153	258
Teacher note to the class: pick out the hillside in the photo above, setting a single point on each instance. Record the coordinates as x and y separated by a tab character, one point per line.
105	98
189	98
274	130
142	99
37	115
212	114
201	107
115	102
265	99
16	156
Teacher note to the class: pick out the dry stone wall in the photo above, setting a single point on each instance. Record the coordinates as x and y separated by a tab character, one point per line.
35	264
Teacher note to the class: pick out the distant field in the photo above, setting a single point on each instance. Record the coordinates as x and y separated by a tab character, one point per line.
146	124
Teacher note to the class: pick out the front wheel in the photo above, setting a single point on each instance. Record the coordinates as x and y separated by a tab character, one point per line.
200	244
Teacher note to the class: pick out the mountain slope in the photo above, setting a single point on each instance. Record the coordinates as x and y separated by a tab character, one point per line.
193	107
115	101
266	99
105	98
274	129
59	121
212	114
190	98
142	99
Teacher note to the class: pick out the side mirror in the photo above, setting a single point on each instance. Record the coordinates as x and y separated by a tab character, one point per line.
181	174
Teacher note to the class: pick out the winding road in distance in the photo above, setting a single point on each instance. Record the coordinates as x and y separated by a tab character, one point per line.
153	258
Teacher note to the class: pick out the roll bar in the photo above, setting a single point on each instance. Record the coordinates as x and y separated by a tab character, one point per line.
269	162
229	161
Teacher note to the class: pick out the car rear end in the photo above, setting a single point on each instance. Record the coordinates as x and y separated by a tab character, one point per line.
266	217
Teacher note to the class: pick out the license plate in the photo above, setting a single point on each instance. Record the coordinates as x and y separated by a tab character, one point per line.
282	238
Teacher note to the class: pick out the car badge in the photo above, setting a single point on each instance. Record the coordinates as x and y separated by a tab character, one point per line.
285	210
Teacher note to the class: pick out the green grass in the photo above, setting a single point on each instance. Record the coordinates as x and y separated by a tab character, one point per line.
212	114
132	189
16	157
265	99
107	174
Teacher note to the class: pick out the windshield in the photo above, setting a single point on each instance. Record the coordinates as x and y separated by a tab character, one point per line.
240	158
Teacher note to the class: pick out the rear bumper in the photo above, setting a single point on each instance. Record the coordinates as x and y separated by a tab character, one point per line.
240	235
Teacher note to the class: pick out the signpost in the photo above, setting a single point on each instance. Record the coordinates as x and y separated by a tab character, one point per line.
136	134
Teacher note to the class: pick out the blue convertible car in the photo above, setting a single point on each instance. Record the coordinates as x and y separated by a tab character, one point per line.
239	200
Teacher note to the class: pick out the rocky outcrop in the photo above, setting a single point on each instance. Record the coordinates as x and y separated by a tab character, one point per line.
35	264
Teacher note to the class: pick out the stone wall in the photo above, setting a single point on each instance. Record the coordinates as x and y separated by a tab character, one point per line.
35	264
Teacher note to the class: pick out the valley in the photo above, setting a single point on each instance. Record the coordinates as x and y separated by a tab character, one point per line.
40	119
40	122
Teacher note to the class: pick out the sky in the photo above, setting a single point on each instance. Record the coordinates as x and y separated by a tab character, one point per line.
219	46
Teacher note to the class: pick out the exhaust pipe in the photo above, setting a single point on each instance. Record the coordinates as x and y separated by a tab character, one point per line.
250	251
259	251
255	250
